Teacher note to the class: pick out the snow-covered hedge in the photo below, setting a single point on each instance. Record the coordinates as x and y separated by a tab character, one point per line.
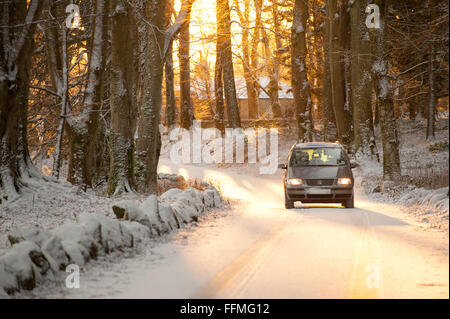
37	254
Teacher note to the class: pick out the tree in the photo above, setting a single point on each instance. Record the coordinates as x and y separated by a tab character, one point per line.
361	76
300	83
273	72
253	93
169	77
18	21
123	100
219	106
82	126
274	88
385	103
432	100
226	61
155	44
421	76
57	57
327	100
336	27
186	110
250	75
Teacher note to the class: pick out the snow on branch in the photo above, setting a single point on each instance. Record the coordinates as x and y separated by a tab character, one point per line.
174	29
31	15
44	89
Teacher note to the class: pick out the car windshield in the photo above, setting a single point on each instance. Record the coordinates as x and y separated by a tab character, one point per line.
320	156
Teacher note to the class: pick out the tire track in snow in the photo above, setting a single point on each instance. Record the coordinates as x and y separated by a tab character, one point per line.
233	279
366	275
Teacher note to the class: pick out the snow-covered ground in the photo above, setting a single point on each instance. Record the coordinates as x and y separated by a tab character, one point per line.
39	254
429	207
416	159
258	249
50	205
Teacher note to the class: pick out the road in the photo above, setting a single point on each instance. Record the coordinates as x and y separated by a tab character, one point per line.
258	249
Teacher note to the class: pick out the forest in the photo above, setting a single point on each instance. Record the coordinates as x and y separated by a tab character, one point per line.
92	84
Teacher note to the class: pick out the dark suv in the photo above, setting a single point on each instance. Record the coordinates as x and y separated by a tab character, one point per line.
318	173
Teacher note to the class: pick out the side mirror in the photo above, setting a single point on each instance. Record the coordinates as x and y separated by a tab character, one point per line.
282	166
354	165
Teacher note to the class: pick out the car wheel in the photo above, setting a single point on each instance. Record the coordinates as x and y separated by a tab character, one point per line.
350	203
288	203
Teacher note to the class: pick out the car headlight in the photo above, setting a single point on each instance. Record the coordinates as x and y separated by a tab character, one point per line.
294	181
344	181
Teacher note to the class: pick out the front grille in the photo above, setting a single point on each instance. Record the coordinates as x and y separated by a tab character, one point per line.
343	195
319	182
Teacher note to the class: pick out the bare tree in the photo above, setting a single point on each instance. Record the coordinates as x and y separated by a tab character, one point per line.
432	101
253	94
186	108
219	107
384	93
336	45
361	93
300	83
18	25
249	73
273	72
59	73
83	126
169	76
123	101
226	61
155	43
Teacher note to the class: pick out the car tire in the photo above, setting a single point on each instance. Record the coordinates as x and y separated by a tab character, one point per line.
350	203
288	203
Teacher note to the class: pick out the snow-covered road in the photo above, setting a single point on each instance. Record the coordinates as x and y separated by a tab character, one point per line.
261	250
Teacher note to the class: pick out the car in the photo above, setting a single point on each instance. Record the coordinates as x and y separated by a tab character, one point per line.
318	172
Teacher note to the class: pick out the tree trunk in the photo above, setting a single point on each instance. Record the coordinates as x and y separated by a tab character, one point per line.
55	67
83	127
149	137
300	84
64	97
218	89
122	100
361	77
431	97
169	75
253	94
170	90
229	86
186	110
337	67
384	93
276	106
273	76
329	119
248	75
18	23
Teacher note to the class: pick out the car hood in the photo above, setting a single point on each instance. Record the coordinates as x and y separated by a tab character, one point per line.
322	172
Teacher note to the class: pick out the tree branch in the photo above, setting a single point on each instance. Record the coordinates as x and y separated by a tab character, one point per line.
44	89
182	18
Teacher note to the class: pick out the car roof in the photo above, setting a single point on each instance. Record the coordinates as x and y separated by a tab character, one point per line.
317	144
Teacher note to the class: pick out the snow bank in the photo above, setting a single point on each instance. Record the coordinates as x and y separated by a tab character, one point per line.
36	253
431	206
